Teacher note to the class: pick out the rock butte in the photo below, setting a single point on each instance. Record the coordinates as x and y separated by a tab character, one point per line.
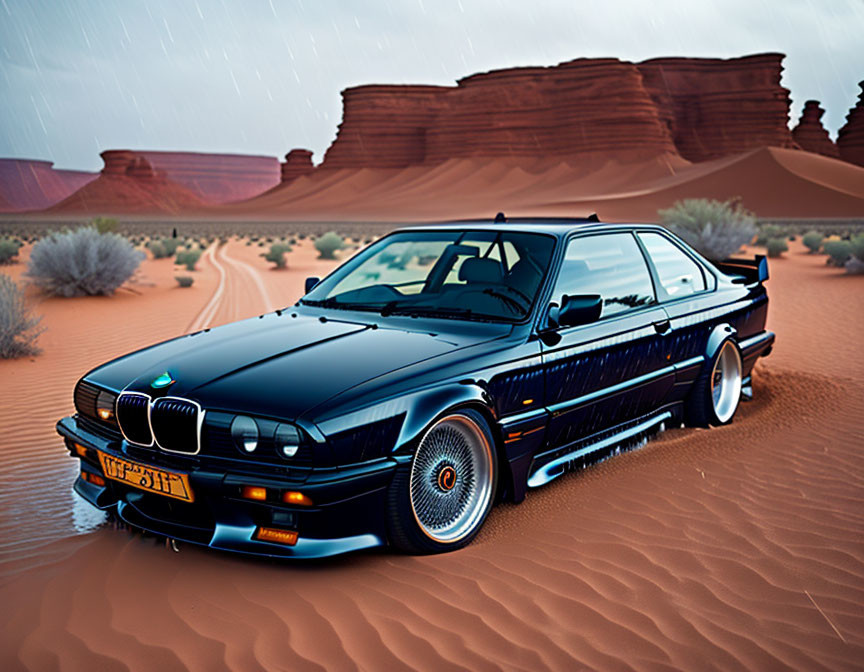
33	185
129	184
298	162
810	134
850	138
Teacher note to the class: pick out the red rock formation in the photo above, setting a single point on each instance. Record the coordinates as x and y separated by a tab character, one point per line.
586	105
33	185
298	162
700	108
810	135
850	138
384	126
717	107
129	185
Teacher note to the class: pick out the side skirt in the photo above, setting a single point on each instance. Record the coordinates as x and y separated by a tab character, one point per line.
592	449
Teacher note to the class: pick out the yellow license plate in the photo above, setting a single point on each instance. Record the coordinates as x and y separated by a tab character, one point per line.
168	483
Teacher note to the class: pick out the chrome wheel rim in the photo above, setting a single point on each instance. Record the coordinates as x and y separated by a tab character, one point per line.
451	479
726	382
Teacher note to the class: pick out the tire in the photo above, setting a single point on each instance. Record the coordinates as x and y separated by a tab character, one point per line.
439	500
717	391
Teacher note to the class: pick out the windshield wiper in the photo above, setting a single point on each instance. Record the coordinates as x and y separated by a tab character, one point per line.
433	311
340	305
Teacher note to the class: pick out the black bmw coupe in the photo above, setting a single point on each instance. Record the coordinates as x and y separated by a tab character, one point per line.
439	370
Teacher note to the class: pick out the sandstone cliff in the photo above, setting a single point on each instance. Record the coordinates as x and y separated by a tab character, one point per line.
850	138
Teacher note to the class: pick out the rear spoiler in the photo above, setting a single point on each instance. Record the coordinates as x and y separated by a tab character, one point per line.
745	271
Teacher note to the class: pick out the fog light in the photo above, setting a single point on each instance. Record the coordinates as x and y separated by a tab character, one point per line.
292	497
253	492
276	536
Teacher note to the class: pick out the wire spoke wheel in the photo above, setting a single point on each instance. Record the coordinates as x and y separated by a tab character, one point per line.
451	479
726	382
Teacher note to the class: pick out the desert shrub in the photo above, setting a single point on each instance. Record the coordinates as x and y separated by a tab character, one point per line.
18	326
856	246
838	251
717	229
184	280
776	247
8	250
188	258
157	249
276	255
170	245
104	224
766	233
328	244
82	262
813	241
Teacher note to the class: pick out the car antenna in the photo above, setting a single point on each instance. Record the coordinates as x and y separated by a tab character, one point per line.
592	217
500	218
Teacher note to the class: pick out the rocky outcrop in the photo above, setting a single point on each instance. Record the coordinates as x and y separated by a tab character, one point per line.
850	138
129	184
582	106
699	108
717	107
33	185
298	162
384	126
810	134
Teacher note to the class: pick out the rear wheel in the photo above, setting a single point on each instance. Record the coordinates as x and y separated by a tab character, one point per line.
440	499
717	392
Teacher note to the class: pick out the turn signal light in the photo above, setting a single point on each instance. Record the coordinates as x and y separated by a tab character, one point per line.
95	479
254	492
276	536
81	450
299	498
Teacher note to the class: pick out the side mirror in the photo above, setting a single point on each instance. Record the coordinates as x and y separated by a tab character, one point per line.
310	284
579	309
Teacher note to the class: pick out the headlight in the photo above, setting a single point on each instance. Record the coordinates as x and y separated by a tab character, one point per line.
105	406
287	440
244	432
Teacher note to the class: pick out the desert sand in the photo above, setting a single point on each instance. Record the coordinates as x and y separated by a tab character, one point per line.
733	548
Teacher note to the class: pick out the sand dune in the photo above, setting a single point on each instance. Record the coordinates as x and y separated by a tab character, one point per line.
772	182
734	548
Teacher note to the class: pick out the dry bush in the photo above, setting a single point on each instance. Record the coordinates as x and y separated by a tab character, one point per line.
717	229
18	326
82	262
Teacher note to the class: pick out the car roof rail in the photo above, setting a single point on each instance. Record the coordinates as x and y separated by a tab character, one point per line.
501	218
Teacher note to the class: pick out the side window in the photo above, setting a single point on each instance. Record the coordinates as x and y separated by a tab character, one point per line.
679	275
610	265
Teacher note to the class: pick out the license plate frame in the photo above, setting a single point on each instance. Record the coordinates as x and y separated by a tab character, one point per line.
144	477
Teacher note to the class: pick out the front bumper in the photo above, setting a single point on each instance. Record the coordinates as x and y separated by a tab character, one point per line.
347	512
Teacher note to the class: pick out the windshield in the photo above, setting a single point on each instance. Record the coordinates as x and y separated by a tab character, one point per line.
474	275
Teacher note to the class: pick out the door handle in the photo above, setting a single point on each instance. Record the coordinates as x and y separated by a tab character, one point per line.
662	326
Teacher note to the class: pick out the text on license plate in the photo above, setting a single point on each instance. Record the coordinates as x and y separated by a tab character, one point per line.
148	478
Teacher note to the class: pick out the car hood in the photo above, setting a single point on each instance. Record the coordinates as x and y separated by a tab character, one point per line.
282	365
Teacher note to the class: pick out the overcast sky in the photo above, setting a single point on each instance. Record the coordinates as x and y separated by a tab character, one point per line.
263	76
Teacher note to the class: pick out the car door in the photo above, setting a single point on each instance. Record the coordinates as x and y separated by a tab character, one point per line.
684	290
602	374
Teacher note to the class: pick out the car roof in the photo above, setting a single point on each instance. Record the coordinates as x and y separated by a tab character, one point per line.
555	226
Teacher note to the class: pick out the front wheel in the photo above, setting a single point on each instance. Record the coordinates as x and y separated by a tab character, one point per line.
439	500
717	392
